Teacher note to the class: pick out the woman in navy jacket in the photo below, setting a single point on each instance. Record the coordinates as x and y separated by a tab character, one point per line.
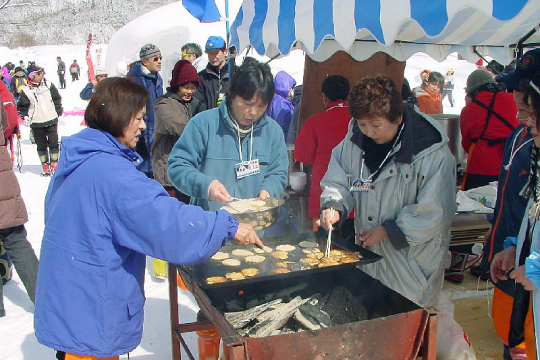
102	217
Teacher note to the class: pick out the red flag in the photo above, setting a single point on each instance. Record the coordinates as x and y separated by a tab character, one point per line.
89	59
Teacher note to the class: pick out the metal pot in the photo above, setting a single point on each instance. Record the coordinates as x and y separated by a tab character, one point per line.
450	125
262	219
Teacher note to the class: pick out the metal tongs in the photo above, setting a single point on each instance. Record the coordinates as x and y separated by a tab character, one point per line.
329	239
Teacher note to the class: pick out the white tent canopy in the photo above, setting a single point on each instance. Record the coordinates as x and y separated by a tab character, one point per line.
399	28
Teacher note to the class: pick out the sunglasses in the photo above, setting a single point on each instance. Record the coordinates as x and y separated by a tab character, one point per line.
157	58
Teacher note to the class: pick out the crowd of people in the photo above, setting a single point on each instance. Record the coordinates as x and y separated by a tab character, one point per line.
175	152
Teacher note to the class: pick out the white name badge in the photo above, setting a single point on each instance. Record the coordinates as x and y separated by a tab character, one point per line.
247	168
360	186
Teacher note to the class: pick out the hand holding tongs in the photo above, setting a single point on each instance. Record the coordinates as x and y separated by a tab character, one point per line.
329	239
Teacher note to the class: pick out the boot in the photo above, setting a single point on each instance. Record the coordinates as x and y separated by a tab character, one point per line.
53	166
460	262
46	169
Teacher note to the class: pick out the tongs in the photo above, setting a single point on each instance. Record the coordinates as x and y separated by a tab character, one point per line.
329	239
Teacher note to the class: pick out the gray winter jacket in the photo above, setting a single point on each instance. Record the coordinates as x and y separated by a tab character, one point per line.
413	198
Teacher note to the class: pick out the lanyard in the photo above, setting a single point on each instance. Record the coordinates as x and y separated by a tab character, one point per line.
512	152
240	144
382	163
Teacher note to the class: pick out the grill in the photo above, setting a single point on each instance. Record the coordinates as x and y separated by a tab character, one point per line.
370	321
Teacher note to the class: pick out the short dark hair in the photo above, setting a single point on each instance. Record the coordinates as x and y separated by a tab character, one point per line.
335	87
252	77
376	96
113	105
436	78
192	48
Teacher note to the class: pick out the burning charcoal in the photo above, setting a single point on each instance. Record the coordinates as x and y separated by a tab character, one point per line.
343	307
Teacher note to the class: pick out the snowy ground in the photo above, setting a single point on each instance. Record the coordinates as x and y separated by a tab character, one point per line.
18	340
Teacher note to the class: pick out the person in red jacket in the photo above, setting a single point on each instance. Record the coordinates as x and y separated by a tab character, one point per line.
486	121
320	134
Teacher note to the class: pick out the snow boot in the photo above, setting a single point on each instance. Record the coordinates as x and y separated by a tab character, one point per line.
460	262
52	167
46	169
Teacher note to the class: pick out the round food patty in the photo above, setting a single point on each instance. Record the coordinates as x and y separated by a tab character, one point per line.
266	249
241	252
235	276
220	255
308	244
255	258
215	279
281	271
280	255
231	262
285	247
249	272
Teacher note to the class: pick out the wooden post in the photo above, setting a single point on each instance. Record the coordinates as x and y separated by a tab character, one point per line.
342	63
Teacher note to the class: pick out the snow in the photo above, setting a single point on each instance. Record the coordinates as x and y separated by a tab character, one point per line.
16	328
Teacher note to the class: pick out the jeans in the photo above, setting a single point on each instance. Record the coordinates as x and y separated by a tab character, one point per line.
24	260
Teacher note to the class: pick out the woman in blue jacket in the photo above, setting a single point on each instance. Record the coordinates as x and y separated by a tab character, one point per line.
90	288
234	150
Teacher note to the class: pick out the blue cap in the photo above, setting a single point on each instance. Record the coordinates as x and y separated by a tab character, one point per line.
215	43
526	67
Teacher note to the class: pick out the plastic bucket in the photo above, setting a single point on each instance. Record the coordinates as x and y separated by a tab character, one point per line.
298	180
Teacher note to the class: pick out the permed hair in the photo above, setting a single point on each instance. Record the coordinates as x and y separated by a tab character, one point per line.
375	96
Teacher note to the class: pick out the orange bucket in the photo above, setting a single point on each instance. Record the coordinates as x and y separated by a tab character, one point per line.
208	343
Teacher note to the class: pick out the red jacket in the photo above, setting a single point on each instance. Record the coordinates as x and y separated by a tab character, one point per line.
486	159
313	146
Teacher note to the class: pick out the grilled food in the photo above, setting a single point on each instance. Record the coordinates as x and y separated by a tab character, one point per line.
231	262
281	271
250	272
242	252
255	258
219	256
235	276
286	248
282	255
215	280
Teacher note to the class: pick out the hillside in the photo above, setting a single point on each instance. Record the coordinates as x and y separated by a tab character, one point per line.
45	22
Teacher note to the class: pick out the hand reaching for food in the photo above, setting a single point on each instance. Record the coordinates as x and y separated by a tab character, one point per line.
246	235
217	192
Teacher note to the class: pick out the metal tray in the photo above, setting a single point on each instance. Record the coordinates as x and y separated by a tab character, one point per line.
200	272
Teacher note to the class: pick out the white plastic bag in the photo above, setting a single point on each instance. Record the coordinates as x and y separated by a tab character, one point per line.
452	342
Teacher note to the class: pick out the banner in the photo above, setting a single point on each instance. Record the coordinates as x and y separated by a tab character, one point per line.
89	59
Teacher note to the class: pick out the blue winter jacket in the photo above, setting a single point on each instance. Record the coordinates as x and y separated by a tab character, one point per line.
102	216
281	108
208	150
154	84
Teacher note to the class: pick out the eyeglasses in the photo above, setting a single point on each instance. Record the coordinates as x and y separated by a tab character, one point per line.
157	58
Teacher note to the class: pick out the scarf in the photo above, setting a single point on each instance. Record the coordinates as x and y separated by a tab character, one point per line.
532	187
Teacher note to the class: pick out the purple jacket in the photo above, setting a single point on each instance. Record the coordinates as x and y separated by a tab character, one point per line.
281	108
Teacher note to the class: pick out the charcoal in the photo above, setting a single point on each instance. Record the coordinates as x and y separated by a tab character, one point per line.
313	313
287	293
277	319
241	318
343	307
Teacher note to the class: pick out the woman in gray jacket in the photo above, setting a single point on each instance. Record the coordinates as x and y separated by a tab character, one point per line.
395	170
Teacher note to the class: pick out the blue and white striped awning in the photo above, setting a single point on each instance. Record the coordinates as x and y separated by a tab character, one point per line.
397	27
